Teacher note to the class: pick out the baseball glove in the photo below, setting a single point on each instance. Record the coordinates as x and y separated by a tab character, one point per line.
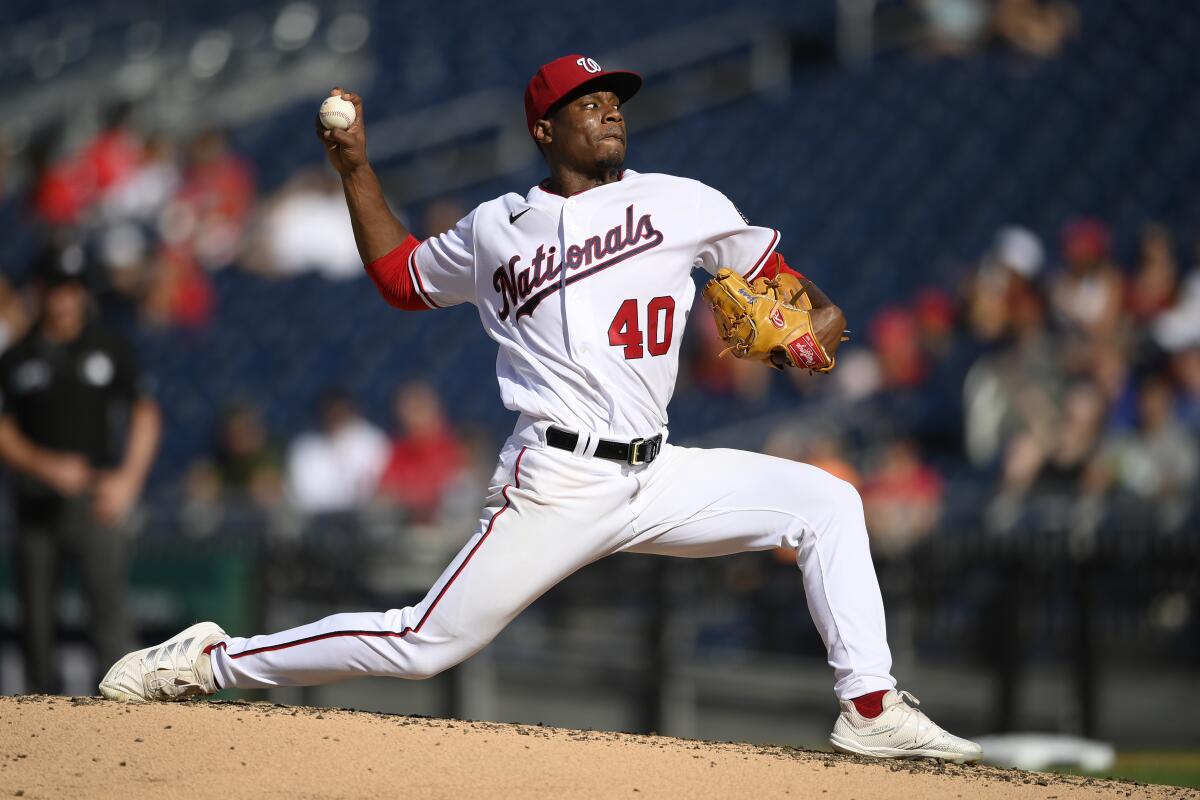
766	321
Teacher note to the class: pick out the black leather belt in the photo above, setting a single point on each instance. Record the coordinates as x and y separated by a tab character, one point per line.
639	451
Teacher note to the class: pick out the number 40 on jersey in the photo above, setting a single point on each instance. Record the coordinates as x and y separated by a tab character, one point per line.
626	328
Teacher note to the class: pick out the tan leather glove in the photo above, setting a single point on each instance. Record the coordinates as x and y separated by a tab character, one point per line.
768	321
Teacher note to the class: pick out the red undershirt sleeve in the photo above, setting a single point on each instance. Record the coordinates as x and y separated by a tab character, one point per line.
391	276
777	266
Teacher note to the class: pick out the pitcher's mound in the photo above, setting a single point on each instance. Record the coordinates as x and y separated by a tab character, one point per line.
53	747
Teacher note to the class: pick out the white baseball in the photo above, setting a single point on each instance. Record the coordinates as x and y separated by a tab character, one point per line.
336	112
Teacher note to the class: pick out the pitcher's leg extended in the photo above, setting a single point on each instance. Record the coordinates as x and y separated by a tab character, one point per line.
526	543
700	503
472	601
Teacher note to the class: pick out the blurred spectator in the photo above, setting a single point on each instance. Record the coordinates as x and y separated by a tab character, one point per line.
1053	462
62	188
897	342
427	459
938	422
179	292
336	468
934	316
306	228
955	27
79	433
245	463
113	154
66	186
902	498
201	512
1087	295
123	249
214	203
128	242
1155	282
1011	388
1006	274
1017	250
1110	370
198	216
1157	463
1035	27
148	187
1179	327
1055	457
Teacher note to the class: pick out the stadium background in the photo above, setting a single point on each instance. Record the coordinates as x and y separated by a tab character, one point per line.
1020	408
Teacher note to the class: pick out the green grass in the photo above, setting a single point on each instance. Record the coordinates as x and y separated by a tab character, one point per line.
1171	768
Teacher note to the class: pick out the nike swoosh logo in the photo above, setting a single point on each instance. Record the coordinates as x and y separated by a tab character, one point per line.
512	218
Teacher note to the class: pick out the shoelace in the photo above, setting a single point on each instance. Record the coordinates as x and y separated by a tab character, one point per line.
926	729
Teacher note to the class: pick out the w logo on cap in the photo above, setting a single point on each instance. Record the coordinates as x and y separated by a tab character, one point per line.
589	64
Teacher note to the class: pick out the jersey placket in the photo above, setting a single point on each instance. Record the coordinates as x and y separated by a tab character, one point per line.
589	333
576	313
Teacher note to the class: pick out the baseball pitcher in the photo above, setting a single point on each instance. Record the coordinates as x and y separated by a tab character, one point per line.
584	283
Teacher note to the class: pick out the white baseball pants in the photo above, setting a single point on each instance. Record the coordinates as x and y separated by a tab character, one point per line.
551	512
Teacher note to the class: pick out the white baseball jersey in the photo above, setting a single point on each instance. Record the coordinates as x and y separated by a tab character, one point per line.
587	296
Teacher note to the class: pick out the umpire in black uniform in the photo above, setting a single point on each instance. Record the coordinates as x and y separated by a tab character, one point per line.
78	432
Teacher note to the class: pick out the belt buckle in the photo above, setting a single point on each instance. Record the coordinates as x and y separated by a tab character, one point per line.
650	451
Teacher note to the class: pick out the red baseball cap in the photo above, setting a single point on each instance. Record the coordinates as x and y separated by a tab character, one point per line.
562	76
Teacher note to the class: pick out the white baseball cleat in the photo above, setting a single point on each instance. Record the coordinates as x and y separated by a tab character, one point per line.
173	670
901	731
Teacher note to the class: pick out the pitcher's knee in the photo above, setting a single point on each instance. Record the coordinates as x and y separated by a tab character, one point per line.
847	499
838	503
427	660
423	668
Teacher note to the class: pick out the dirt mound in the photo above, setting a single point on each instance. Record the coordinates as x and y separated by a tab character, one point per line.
87	747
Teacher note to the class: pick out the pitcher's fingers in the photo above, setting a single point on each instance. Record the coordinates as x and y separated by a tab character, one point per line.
816	297
343	138
356	101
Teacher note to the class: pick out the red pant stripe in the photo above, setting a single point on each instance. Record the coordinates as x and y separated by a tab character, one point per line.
428	612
